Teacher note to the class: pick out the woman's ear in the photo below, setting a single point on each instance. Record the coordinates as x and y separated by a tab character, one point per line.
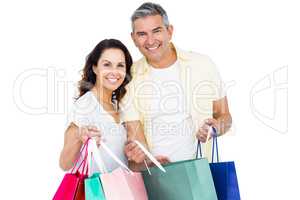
95	69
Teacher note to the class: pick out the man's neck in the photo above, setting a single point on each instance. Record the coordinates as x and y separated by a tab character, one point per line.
167	60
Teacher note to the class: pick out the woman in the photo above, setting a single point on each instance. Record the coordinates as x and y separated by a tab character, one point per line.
95	111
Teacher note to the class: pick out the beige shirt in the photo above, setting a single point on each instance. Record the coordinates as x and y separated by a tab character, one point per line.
201	85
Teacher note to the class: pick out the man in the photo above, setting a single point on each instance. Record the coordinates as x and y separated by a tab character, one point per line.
174	97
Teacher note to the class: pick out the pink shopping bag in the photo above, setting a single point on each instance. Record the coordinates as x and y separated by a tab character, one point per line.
68	189
122	184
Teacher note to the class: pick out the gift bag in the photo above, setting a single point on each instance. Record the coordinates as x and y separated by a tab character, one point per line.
224	176
189	179
93	188
183	180
121	183
72	185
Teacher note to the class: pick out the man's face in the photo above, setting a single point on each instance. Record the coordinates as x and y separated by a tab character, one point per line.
152	37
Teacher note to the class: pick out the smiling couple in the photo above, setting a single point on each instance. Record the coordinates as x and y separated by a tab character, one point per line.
167	100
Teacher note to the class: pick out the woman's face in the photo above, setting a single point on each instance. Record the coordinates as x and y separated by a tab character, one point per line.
111	69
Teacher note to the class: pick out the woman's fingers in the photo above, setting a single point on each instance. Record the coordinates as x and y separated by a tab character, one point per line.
86	132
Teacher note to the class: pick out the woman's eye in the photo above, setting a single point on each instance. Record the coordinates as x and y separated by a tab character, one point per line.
121	65
106	64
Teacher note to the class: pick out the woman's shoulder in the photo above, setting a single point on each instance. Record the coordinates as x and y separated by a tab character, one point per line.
86	103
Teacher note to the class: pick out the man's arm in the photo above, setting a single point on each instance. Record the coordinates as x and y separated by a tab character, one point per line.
221	119
135	155
222	115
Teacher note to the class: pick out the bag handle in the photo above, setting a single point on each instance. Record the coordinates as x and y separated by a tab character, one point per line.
212	132
97	157
215	146
83	162
93	151
150	156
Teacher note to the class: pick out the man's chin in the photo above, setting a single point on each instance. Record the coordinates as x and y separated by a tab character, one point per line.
153	59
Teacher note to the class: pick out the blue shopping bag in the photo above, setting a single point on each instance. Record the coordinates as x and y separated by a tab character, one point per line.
223	173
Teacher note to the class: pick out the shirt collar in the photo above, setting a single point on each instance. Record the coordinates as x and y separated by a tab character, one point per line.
181	57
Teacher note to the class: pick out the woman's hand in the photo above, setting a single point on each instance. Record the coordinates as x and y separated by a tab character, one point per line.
86	132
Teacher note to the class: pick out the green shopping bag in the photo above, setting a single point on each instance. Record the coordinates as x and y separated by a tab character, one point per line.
183	180
93	188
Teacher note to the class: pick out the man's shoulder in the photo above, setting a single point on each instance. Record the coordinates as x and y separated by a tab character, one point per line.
193	56
138	63
138	67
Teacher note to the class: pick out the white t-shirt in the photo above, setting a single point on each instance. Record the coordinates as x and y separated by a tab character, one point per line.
172	133
88	111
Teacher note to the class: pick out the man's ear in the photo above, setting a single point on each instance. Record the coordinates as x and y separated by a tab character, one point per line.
170	30
132	37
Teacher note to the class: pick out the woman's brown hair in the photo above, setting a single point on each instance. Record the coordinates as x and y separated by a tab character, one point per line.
88	79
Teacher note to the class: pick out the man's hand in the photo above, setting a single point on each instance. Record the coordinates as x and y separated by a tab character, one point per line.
134	153
161	159
203	132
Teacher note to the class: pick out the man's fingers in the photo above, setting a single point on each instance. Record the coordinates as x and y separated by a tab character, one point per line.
139	157
162	159
134	152
128	152
202	136
205	127
211	122
130	146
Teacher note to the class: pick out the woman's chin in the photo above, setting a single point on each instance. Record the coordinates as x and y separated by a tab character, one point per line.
112	88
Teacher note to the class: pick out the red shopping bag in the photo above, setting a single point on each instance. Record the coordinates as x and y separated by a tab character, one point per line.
71	187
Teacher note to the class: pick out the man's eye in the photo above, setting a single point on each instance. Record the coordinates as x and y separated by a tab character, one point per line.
157	31
141	34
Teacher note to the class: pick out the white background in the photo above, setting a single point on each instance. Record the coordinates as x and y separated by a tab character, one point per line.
254	43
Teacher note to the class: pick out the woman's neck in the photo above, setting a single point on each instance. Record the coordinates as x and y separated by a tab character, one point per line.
103	95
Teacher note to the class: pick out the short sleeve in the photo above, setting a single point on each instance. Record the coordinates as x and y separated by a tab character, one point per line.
128	110
216	80
81	112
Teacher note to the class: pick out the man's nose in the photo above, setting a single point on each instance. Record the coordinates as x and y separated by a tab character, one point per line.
150	39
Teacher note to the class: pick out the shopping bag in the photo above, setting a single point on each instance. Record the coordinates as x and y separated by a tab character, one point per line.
224	175
80	195
183	180
71	187
121	183
189	179
93	188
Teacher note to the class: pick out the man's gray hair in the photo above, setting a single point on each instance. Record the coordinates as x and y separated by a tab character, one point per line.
150	9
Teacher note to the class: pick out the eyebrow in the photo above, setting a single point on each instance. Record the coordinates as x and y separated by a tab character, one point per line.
155	29
111	62
104	60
